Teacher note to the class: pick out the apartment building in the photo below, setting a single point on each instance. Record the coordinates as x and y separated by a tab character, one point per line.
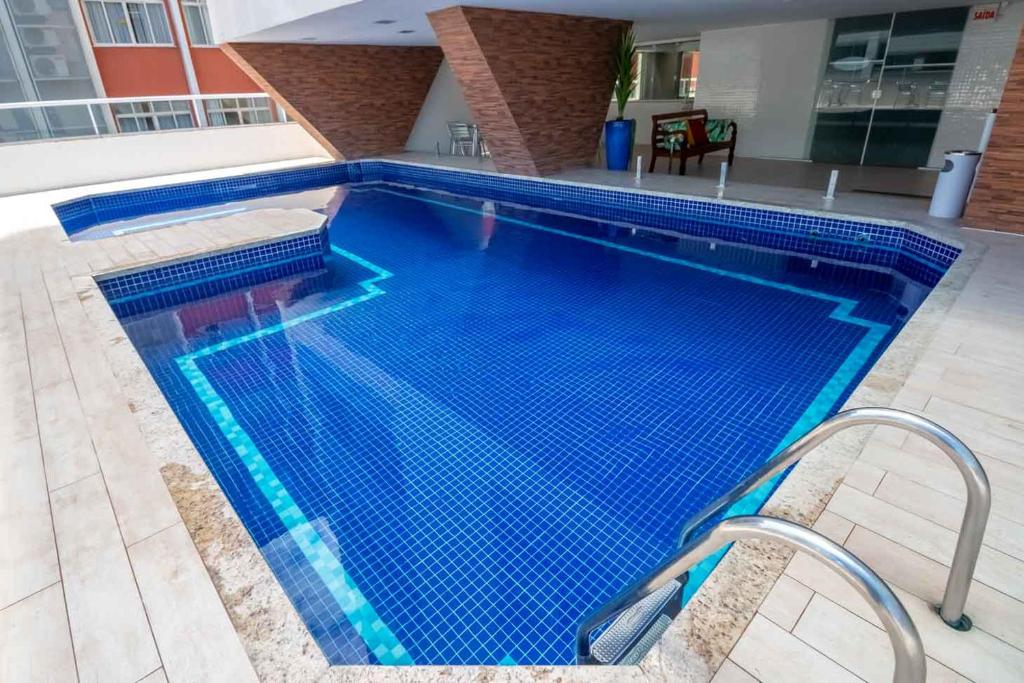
159	53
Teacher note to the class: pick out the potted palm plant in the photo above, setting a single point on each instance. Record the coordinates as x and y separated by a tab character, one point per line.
618	134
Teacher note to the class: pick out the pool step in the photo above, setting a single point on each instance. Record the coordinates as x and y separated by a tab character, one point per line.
634	632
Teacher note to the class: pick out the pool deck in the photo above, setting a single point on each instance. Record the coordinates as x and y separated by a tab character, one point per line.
122	561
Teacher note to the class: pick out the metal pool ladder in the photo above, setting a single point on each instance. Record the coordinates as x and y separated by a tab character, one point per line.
641	613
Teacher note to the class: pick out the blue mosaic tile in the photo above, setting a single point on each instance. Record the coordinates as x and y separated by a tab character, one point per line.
78	214
478	421
856	241
119	288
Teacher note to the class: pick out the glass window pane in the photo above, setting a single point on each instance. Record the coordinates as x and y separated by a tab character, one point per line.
118	23
158	23
128	125
217	119
262	116
197	26
169	122
183	120
928	37
98	22
140	25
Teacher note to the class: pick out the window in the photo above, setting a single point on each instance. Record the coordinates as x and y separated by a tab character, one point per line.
668	71
238	111
115	22
197	19
136	117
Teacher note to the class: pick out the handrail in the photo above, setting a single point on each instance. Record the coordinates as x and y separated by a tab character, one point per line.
81	102
906	641
197	109
979	495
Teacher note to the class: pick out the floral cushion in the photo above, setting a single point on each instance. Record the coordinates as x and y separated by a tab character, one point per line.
718	129
675	135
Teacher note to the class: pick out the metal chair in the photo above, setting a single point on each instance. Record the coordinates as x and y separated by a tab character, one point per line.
462	138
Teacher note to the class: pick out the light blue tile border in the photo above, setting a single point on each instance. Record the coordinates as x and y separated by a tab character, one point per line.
379	638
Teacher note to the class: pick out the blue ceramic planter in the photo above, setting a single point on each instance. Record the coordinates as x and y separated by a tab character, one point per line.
618	143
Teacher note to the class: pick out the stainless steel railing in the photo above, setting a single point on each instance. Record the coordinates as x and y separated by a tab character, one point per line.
979	496
96	116
906	642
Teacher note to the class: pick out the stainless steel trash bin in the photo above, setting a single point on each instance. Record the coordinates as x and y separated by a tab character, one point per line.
954	183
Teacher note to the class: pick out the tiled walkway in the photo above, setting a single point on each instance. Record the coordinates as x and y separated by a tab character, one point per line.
900	507
99	577
101	581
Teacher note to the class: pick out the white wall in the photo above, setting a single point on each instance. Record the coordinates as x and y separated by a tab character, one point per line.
976	87
766	79
444	103
50	164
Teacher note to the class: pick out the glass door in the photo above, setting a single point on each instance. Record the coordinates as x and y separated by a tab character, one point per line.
845	98
915	79
884	87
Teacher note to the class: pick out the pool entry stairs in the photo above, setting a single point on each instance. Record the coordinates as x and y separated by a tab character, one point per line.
628	626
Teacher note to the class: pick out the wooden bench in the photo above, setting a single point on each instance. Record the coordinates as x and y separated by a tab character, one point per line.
661	129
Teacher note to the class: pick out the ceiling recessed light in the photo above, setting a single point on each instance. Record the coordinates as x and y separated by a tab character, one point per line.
384	21
407	30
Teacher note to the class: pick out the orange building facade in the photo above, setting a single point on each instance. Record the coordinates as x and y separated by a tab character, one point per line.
134	68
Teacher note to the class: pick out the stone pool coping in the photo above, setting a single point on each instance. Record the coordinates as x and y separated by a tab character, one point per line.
275	638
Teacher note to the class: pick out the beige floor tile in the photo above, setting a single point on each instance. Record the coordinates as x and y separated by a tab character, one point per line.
864	476
1001	473
820	579
992	611
64	435
975	654
832	526
17	410
856	644
773	655
785	602
996	569
991	434
997	390
1000	533
110	631
196	638
929	471
35	644
28	554
155	677
140	497
730	672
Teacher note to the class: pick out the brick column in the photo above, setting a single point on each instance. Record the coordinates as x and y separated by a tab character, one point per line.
539	85
998	198
356	100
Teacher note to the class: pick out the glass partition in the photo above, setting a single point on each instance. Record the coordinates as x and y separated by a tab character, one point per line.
884	87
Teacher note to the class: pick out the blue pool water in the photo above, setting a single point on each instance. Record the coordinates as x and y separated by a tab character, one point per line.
478	422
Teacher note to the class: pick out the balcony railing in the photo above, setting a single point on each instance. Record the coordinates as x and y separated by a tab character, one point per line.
41	120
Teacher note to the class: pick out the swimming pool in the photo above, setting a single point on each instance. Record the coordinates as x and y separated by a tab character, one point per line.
472	422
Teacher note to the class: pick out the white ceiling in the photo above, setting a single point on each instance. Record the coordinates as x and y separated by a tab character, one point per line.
352	21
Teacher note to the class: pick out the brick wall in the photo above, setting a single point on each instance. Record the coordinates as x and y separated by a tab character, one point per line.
998	198
537	84
356	100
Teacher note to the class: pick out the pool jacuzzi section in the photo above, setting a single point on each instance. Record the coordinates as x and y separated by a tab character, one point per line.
478	407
